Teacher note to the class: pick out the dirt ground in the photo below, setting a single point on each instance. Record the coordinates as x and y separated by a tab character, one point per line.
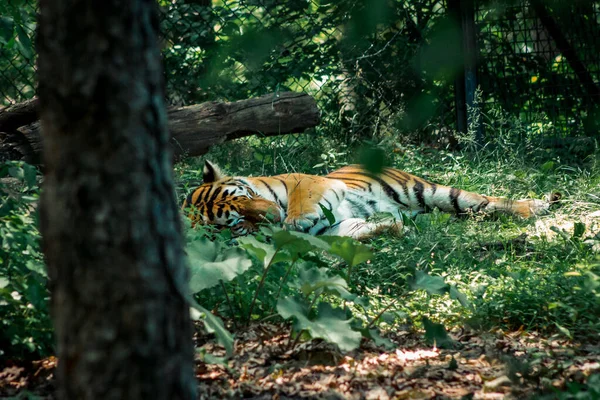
267	365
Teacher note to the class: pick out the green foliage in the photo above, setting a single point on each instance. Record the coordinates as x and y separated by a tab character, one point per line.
436	335
328	323
292	279
17	55
210	264
495	272
25	329
292	275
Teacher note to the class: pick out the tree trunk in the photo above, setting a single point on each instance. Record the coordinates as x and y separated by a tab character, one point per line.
194	129
109	220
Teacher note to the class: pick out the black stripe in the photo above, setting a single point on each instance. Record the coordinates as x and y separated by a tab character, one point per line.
322	230
399	181
336	195
200	191
282	181
454	193
389	191
433	188
214	194
418	188
220	208
272	192
403	175
359	210
209	212
369	184
329	203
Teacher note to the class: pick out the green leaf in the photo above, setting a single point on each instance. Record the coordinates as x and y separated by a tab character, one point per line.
210	263
455	294
29	172
298	242
7	28
547	166
436	335
312	279
373	159
24	42
16	172
376	337
36	266
3	282
328	214
214	325
578	229
453	365
432	284
330	324
564	330
210	359
263	251
348	249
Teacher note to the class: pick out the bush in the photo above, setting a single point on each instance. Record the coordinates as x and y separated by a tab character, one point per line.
25	328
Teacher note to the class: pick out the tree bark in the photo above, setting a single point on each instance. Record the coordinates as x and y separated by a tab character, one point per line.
109	220
194	129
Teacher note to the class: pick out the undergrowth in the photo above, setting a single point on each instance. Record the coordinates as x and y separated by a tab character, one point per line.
539	274
480	272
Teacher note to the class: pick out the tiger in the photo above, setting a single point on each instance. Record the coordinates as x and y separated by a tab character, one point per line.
341	203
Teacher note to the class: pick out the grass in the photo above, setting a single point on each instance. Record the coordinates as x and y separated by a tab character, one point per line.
538	274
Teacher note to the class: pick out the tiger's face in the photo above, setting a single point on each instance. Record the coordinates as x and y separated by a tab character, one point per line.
230	203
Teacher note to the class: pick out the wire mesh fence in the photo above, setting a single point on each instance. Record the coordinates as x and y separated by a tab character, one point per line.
377	68
541	62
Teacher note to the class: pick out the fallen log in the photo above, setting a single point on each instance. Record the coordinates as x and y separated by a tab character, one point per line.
194	129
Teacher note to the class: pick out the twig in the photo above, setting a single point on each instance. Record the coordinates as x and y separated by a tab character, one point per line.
230	305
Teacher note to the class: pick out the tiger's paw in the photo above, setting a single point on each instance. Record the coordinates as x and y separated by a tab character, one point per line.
302	222
538	207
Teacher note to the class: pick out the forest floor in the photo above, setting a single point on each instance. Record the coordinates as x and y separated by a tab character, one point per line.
492	365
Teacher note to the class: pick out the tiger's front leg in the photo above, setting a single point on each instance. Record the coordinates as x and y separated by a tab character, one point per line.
306	195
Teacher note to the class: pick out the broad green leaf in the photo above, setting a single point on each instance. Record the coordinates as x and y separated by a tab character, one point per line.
214	325
436	335
263	251
432	284
312	279
36	266
16	172
24	42
209	264
29	173
348	249
3	282
289	307
330	324
298	242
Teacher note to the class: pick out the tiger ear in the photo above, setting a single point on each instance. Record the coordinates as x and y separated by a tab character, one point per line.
211	173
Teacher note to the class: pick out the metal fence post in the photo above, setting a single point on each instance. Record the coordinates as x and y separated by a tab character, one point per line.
465	84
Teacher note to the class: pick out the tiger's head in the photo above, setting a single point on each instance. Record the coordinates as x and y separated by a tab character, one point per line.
229	202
